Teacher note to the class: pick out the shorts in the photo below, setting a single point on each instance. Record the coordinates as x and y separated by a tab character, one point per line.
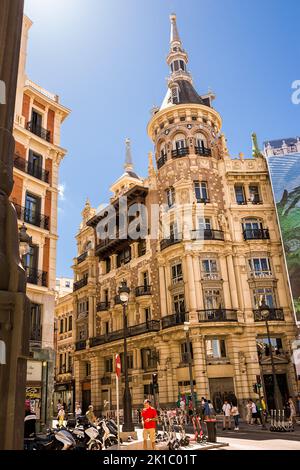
149	432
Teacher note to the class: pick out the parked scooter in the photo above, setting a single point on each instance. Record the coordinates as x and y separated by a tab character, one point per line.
106	437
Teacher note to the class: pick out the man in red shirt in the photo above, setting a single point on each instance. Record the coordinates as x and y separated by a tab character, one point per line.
149	416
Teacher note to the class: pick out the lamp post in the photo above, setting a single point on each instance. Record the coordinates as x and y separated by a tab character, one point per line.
265	315
186	328
127	402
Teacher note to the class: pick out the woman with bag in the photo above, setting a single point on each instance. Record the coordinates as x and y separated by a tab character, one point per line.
235	413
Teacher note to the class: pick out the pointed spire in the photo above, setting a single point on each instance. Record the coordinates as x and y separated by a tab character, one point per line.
128	160
174	31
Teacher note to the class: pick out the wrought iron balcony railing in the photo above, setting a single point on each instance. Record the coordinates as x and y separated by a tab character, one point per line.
37	277
102	306
275	314
32	217
207	234
147	327
31	169
81	283
172	240
210	276
80	345
175	319
36	333
203	151
217	315
82	257
143	290
161	161
256	234
182	152
39	131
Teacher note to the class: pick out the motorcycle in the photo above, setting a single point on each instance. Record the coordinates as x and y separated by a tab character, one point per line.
106	437
85	434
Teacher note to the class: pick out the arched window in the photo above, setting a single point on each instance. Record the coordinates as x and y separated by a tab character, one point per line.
179	141
162	155
175	94
200	141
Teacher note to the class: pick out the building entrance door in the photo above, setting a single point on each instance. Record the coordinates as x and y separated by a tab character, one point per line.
86	397
221	389
269	388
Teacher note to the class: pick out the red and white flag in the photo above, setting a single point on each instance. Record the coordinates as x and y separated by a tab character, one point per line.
118	365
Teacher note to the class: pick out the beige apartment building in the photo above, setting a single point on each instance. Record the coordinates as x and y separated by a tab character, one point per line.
38	119
214	269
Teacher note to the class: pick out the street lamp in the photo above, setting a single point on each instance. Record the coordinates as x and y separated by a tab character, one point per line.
265	315
24	241
186	328
127	402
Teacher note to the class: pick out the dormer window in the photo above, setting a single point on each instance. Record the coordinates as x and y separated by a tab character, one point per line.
178	65
175	95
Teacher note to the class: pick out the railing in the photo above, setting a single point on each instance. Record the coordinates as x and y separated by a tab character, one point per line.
172	240
79	345
256	234
105	380
161	161
143	290
203	151
216	315
39	131
260	274
81	283
36	334
82	257
207	234
177	153
263	355
203	200
275	314
102	306
32	217
210	276
31	169
64	370
175	319
147	327
37	277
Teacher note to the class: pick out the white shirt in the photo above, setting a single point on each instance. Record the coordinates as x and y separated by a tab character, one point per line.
226	408
253	408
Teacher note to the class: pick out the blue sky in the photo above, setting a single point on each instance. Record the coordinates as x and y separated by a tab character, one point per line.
106	60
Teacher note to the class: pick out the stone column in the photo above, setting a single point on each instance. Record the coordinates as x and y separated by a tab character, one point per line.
232	283
226	285
97	368
198	287
192	303
199	369
163	293
92	316
164	364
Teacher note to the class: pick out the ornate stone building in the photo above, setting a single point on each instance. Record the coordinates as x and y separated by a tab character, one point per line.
39	115
213	269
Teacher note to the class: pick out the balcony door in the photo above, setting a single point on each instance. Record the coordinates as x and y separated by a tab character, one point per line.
36	121
36	322
35	164
30	260
212	299
32	209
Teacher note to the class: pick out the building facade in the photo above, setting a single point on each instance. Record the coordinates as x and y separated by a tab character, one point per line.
63	340
64	286
213	267
38	118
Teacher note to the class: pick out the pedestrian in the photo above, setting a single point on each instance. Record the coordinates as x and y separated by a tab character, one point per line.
211	408
249	412
149	416
259	411
59	405
138	414
298	404
254	413
226	408
206	410
90	415
61	416
78	411
236	415
292	410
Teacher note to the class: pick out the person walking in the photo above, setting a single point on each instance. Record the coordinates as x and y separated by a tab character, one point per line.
91	415
293	413
236	415
61	416
249	412
298	404
206	410
226	420
149	416
78	411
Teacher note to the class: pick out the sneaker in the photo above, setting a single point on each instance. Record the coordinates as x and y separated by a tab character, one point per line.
236	429
224	429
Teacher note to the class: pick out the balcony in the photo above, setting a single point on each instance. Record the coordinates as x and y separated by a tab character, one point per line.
37	277
203	151
172	240
82	257
276	314
64	370
148	327
39	131
102	306
81	283
260	274
31	169
217	315
80	345
161	161
256	234
182	152
210	276
207	234
175	319
143	290
32	217
279	356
